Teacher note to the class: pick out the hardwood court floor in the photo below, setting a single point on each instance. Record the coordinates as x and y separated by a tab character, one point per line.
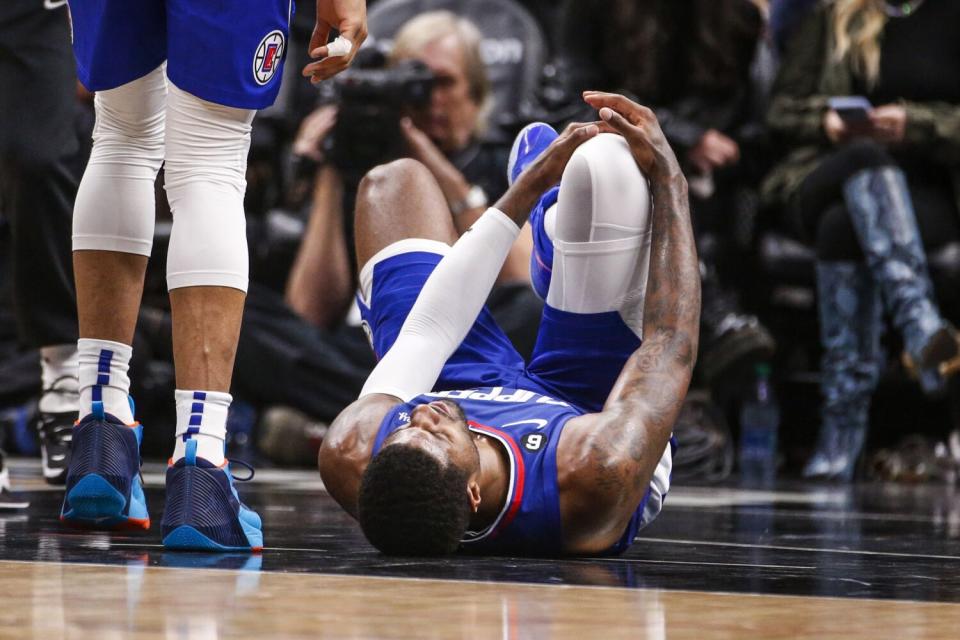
802	562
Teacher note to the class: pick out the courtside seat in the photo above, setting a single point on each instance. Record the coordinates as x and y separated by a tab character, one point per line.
789	263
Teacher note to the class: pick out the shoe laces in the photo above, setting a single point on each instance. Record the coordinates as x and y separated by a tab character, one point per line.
245	465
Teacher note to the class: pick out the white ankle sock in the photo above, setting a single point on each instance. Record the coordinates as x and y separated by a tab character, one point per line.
59	366
103	376
202	416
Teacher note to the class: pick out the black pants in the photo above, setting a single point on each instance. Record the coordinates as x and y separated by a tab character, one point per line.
818	212
39	166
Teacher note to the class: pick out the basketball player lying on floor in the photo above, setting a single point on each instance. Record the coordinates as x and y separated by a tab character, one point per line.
455	442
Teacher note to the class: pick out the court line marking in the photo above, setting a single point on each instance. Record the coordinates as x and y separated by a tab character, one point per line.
829	514
699	564
712	543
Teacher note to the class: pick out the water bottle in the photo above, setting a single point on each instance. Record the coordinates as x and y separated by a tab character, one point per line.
759	421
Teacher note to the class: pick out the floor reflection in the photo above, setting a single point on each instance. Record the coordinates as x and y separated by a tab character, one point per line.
189	604
53	600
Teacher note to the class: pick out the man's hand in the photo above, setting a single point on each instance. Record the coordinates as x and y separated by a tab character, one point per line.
641	129
313	130
713	151
544	172
349	17
452	183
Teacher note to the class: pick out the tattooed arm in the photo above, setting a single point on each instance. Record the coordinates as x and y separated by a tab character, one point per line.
606	460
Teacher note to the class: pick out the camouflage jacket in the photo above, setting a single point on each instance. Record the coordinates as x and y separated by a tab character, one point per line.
806	80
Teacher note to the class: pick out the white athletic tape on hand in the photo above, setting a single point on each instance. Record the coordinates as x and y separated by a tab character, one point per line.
339	47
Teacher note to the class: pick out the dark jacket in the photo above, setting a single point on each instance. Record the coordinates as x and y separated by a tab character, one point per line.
807	79
593	55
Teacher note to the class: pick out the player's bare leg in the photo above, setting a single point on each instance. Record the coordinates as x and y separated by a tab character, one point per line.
108	280
397	201
206	328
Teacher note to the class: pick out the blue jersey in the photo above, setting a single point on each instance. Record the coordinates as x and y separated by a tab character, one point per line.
528	426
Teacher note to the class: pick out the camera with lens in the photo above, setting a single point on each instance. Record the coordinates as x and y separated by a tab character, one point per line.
371	99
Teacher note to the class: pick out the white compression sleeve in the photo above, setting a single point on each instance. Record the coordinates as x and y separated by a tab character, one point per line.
205	173
114	209
601	233
446	308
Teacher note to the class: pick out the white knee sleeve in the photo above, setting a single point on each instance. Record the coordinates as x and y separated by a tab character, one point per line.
601	233
207	147
115	204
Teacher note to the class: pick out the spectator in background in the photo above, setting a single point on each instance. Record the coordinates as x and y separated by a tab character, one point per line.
447	137
785	18
690	61
871	195
41	160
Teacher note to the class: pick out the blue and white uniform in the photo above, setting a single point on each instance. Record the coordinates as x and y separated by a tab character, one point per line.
523	405
528	426
230	53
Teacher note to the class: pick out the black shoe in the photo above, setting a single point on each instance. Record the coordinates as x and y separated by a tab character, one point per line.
736	344
8	499
732	341
56	432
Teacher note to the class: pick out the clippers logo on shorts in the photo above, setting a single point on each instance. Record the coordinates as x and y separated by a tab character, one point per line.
267	60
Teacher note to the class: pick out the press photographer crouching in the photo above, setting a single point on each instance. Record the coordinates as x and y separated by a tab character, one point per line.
428	100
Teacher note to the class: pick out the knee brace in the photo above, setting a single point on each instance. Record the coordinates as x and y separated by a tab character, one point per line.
206	162
114	209
601	233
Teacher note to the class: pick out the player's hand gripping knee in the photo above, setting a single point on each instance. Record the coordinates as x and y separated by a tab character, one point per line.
640	127
545	171
349	18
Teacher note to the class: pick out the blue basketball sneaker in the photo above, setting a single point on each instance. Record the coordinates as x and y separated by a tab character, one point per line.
104	488
532	140
203	509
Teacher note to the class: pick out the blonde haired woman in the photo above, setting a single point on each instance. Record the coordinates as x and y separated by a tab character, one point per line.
871	194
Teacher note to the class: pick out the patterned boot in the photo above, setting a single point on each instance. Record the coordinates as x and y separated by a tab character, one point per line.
850	328
885	223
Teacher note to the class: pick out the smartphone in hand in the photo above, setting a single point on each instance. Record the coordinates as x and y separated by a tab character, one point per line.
851	109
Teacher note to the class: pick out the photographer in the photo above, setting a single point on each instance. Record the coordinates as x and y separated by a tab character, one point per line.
443	131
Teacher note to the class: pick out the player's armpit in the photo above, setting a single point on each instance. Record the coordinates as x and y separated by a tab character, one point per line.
347	448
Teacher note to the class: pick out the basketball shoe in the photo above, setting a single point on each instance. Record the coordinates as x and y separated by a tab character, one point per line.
203	509
532	140
55	428
104	488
